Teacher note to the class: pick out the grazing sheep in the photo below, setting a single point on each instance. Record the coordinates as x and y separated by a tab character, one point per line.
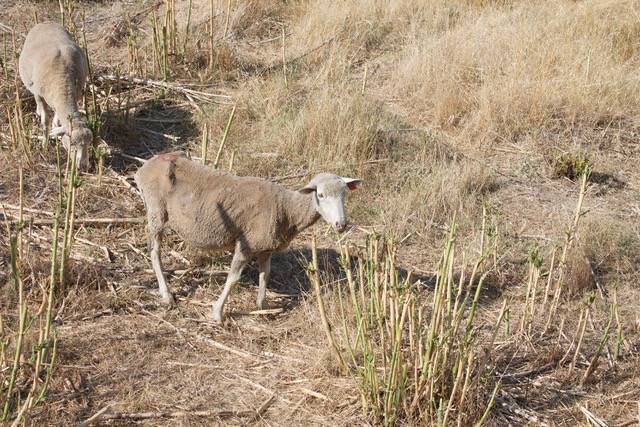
213	210
54	69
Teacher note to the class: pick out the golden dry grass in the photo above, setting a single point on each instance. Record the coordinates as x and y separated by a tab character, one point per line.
443	108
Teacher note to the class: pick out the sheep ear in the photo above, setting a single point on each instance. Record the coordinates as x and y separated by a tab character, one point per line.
352	183
309	188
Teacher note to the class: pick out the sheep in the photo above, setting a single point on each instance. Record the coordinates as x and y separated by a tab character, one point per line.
213	210
54	69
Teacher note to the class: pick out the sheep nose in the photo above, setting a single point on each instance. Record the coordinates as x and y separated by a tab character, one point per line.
340	226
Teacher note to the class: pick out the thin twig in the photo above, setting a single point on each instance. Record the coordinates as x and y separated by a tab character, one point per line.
195	365
161	134
595	421
200	95
262	388
224	347
130	157
95	416
265	405
7	29
124	180
134	416
30	210
314	394
44	221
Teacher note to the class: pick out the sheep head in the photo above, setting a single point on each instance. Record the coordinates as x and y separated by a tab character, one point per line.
329	194
80	141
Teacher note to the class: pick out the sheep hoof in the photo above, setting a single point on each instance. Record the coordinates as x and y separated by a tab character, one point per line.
57	131
216	316
168	300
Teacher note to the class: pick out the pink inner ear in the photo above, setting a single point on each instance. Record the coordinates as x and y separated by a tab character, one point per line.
354	185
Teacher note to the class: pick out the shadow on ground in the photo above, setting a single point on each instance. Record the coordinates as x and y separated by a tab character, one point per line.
159	126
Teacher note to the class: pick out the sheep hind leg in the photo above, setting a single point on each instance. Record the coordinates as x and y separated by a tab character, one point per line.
165	294
238	263
264	265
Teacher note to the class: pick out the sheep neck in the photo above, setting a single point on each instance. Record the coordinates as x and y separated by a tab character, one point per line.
302	210
64	103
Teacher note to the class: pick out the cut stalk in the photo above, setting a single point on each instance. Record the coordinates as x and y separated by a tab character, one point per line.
69	219
226	19
284	60
231	160
186	30
581	332
165	54
568	243
489	405
52	288
315	278
20	211
364	79
22	316
619	334
211	42
594	360
224	137
205	144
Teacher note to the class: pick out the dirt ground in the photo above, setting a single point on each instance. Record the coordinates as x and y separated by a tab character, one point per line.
358	94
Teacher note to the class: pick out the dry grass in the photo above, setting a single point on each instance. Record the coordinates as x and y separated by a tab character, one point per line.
447	109
506	73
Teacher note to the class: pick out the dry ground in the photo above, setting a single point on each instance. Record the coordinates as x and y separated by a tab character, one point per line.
442	107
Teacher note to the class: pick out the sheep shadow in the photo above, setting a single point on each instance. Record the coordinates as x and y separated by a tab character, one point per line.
290	284
291	281
289	275
158	126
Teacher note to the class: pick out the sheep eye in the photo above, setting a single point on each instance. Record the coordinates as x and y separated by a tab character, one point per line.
320	196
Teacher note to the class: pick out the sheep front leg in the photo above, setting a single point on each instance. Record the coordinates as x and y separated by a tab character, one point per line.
238	263
56	120
41	111
264	265
165	295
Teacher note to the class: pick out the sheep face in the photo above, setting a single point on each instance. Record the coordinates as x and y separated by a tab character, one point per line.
81	140
329	192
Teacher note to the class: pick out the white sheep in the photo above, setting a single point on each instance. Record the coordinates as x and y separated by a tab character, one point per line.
54	69
213	210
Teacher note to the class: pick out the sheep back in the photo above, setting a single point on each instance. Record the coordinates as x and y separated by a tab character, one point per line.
212	210
50	58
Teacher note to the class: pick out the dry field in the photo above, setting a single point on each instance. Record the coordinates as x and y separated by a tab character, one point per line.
491	273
